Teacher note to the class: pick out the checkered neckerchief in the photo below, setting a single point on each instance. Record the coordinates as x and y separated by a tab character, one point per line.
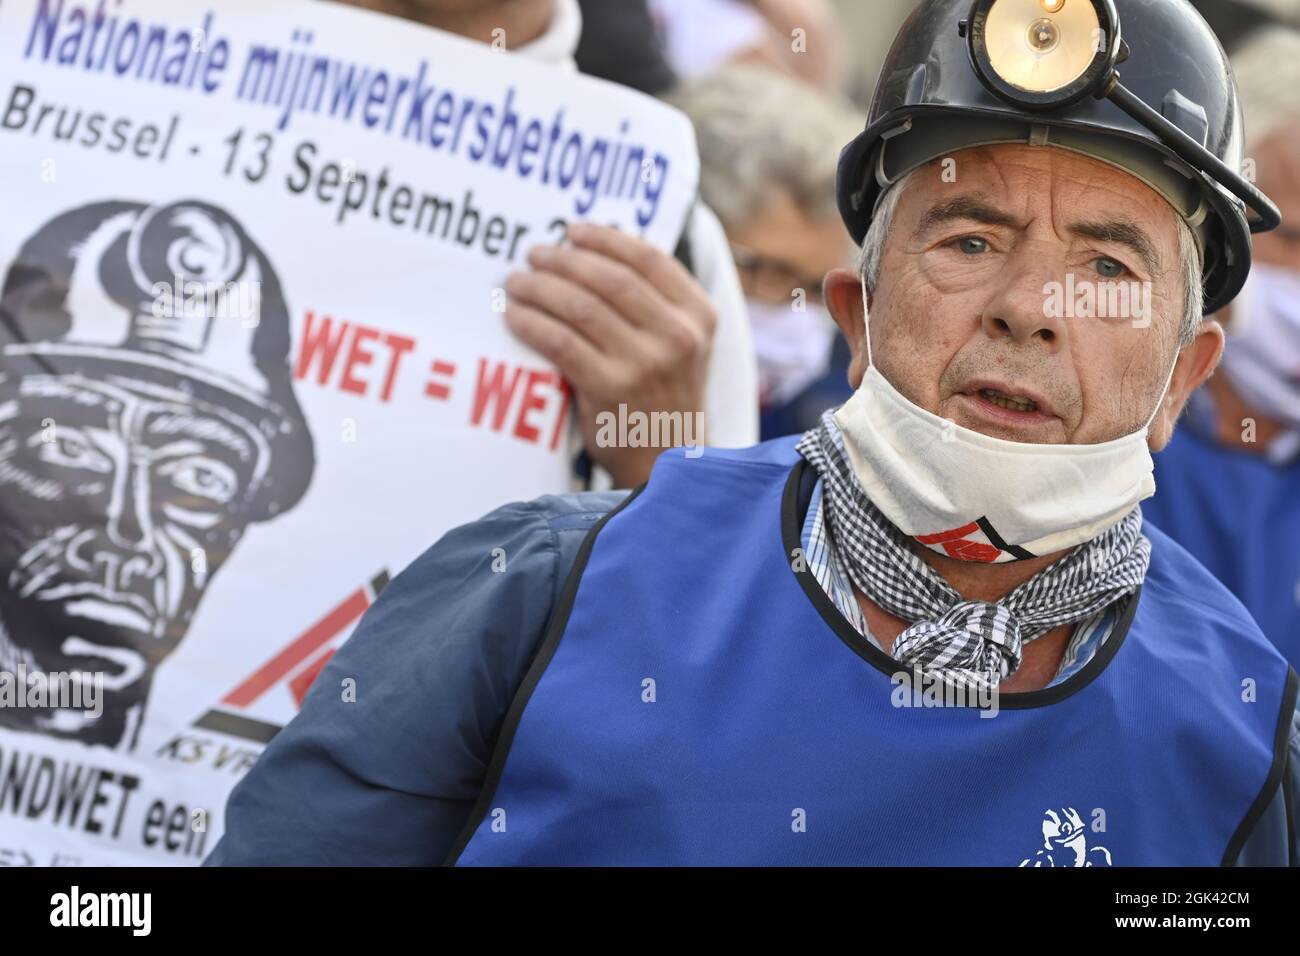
966	643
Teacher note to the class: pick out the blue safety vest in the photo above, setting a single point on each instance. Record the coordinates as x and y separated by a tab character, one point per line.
1239	515
698	700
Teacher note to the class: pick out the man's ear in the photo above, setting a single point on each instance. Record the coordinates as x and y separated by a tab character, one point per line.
842	292
1197	360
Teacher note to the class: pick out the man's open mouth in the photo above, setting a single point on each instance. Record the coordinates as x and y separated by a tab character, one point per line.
92	601
1014	403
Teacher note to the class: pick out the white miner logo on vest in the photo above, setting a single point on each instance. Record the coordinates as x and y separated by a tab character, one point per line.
1065	842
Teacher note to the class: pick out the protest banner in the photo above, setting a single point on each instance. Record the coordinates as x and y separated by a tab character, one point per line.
253	361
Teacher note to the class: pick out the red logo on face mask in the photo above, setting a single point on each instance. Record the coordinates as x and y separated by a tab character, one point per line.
955	544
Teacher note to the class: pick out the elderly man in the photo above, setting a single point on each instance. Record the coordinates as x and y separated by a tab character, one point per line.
787	654
1242	431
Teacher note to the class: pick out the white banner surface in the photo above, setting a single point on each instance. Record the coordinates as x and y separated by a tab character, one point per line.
252	363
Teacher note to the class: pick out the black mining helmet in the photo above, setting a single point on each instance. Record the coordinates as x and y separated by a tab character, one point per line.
1140	84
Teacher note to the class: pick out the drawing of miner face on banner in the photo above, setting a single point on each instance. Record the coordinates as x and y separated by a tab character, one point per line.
146	418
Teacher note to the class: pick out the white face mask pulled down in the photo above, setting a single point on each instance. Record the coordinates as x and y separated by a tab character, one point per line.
977	498
1262	359
793	348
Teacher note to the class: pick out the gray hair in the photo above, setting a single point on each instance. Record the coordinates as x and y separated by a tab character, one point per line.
1267	71
759	130
873	250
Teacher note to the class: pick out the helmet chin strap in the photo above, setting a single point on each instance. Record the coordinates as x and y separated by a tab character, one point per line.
866	331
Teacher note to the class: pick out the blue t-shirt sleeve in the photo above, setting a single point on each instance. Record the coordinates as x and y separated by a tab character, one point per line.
390	777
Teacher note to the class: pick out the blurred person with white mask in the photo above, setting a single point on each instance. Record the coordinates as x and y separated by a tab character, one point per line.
768	148
1228	485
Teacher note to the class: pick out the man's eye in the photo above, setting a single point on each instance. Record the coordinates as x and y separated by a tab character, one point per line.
74	451
972	245
202	477
1109	268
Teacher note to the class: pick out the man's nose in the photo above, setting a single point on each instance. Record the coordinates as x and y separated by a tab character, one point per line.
1022	308
129	520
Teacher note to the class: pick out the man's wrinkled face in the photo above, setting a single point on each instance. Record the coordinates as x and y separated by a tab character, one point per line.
121	500
967	318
